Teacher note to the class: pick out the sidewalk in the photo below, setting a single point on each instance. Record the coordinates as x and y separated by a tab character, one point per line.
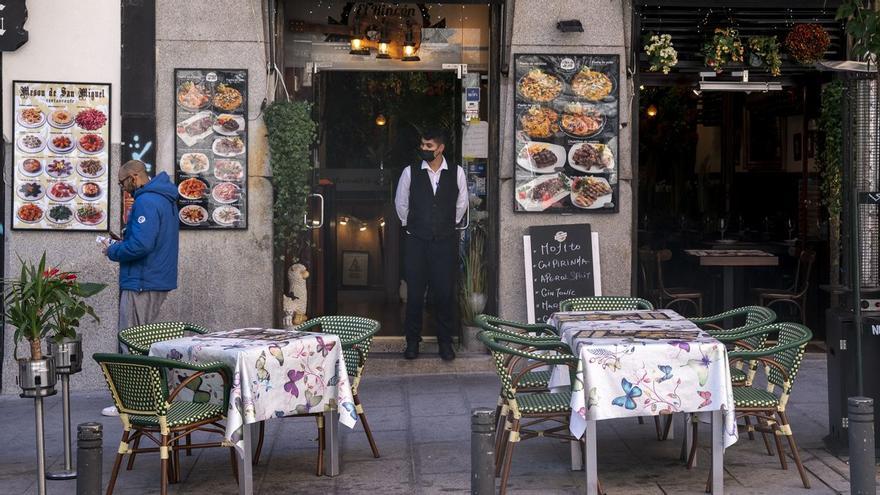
421	425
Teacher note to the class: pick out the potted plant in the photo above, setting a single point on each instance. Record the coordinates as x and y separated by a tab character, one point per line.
661	53
472	290
723	49
42	303
807	43
65	345
764	52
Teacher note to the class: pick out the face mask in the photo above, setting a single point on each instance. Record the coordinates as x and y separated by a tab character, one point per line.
427	155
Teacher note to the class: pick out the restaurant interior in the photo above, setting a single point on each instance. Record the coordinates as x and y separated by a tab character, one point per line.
731	161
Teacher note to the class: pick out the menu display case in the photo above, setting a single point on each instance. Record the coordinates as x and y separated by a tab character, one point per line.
61	156
566	134
210	147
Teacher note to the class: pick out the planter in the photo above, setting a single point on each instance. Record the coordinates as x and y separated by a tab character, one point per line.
478	302
36	377
469	341
68	355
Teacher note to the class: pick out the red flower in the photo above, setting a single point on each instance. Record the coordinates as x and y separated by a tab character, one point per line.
51	273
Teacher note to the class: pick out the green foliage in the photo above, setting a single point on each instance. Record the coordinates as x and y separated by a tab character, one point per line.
831	125
863	24
291	136
473	278
765	51
46	301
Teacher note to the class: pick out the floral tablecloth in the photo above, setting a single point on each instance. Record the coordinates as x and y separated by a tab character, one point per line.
276	373
643	363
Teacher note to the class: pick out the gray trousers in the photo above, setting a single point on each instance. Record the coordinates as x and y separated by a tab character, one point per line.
138	308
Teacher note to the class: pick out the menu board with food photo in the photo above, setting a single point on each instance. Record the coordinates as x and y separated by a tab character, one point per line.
61	155
566	133
211	147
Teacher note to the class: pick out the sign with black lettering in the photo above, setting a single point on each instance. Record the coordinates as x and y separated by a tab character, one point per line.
12	18
561	262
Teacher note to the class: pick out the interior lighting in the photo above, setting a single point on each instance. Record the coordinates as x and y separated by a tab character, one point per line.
409	47
384	47
380	120
343	221
381	222
651	110
358	42
363	227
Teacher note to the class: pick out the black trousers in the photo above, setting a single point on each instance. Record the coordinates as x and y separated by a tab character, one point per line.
430	264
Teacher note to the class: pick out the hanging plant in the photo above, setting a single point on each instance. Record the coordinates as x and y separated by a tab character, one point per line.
723	49
661	53
807	43
764	52
291	135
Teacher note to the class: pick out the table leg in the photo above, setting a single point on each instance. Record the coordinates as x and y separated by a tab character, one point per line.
332	452
590	468
577	459
689	438
717	453
245	469
727	278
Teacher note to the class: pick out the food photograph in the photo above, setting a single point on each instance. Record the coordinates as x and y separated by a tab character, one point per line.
566	133
211	149
61	156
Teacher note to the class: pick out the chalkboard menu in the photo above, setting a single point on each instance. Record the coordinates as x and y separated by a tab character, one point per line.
561	262
211	147
566	133
61	155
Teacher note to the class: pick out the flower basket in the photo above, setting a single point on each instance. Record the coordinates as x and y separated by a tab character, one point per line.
661	53
764	52
723	49
807	43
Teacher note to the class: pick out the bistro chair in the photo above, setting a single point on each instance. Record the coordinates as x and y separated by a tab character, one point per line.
139	338
139	386
651	267
532	381
356	337
605	303
548	410
782	362
797	292
755	317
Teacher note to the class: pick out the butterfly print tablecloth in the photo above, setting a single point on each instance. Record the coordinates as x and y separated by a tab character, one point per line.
643	363
275	373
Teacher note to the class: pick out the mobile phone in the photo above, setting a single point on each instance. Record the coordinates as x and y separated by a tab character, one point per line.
114	236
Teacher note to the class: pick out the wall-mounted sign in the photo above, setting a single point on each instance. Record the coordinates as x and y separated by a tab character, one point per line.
561	262
566	133
211	147
61	155
13	15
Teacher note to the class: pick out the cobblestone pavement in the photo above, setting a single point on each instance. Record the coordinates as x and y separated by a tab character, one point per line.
421	425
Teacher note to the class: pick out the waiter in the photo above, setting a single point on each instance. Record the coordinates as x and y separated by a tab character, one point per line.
431	199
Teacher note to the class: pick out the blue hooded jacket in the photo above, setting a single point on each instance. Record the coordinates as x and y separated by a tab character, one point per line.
147	255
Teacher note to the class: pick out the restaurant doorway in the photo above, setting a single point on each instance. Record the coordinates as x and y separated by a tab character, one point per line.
370	124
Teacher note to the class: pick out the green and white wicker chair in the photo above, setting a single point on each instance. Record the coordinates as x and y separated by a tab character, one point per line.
138	339
782	362
605	303
139	386
748	318
526	411
356	335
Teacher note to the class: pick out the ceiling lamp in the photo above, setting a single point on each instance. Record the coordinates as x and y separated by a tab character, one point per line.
343	221
651	110
409	46
381	222
380	120
363	227
358	42
742	86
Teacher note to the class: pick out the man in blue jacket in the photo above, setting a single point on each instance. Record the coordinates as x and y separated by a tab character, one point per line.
147	253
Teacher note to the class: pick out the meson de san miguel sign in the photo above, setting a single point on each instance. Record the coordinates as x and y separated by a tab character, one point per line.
372	19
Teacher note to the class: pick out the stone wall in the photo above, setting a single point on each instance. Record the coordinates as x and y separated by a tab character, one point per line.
606	26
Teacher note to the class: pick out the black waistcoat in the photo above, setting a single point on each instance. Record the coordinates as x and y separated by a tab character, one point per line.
432	216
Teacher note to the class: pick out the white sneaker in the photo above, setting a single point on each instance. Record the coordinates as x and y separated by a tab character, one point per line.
109	411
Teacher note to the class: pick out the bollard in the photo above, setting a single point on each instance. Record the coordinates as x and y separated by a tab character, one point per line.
89	458
482	451
860	411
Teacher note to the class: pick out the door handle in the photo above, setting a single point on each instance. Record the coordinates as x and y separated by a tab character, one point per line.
467	220
312	224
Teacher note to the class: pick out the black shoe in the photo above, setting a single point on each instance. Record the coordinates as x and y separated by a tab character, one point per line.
446	352
412	350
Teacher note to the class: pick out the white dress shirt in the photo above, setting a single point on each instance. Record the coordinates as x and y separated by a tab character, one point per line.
401	199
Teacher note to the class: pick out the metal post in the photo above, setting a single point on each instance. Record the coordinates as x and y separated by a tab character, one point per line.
89	456
861	446
482	451
68	473
41	453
